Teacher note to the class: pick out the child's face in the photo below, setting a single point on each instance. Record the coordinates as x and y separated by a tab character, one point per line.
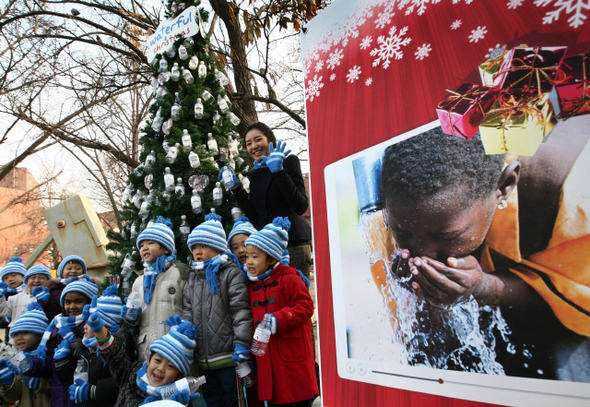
238	248
88	333
151	250
74	303
26	341
202	252
258	261
72	269
13	280
36	280
160	371
256	144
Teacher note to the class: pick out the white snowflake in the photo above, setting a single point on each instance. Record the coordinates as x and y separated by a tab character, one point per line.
423	51
369	82
512	4
478	34
574	7
383	19
319	66
335	58
419	5
390	46
353	74
313	88
333	76
456	24
366	42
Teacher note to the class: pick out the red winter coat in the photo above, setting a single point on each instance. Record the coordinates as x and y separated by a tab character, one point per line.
286	373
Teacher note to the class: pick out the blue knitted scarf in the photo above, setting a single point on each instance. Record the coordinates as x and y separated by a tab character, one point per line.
211	267
159	266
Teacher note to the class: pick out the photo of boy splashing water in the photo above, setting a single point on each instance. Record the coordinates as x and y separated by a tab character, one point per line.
490	271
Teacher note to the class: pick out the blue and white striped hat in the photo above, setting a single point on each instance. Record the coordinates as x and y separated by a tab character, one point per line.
160	232
178	346
109	306
37	269
273	238
88	288
34	320
68	259
242	225
209	233
14	265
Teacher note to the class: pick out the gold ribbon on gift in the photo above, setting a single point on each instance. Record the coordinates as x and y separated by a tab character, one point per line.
472	95
492	62
511	107
533	72
578	104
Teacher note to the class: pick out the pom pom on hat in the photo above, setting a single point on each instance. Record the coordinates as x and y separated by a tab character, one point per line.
109	306
37	269
242	225
273	239
14	265
68	259
209	233
34	320
178	346
160	232
88	288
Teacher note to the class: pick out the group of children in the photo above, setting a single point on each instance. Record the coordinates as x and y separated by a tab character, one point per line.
190	320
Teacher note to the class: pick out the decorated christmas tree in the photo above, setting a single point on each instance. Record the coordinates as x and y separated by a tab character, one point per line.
189	137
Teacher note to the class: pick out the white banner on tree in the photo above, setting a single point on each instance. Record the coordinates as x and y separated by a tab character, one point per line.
184	25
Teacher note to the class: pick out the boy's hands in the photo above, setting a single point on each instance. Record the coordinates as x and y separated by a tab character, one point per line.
273	324
6	374
184	397
95	322
63	350
241	353
80	391
41	293
130	314
90	309
3	288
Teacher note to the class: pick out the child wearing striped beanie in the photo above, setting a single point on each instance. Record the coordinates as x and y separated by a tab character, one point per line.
11	276
237	236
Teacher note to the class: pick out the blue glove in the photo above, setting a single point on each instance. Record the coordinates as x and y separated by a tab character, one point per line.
173	321
275	158
3	288
228	177
63	350
184	397
6	374
80	391
241	353
41	293
23	367
273	324
130	314
90	308
95	322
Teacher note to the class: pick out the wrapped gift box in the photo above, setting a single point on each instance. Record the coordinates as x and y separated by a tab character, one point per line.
517	124
462	112
574	95
491	67
530	69
576	68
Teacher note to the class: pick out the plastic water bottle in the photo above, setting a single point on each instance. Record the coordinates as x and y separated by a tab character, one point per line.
243	370
261	337
22	363
189	383
81	371
131	303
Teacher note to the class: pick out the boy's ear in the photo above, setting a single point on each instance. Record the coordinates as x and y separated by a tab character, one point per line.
508	180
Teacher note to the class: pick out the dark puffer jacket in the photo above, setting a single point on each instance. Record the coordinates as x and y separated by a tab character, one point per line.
222	319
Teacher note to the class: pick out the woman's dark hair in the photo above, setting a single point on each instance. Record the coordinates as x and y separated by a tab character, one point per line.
264	129
422	166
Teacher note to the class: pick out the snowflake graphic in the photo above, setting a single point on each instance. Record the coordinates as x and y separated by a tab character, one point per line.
313	88
383	19
418	5
319	66
353	74
512	4
333	76
369	82
492	51
456	24
390	46
574	7
335	58
423	51
478	34
366	42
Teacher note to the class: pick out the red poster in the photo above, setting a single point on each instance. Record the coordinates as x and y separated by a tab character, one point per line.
449	157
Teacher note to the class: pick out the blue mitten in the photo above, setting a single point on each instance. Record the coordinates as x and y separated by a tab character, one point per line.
173	321
41	293
228	177
95	322
80	391
90	309
241	353
275	158
63	349
3	288
184	397
6	374
273	324
130	314
22	368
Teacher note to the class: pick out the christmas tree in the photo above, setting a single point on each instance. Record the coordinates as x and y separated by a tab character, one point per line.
189	137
